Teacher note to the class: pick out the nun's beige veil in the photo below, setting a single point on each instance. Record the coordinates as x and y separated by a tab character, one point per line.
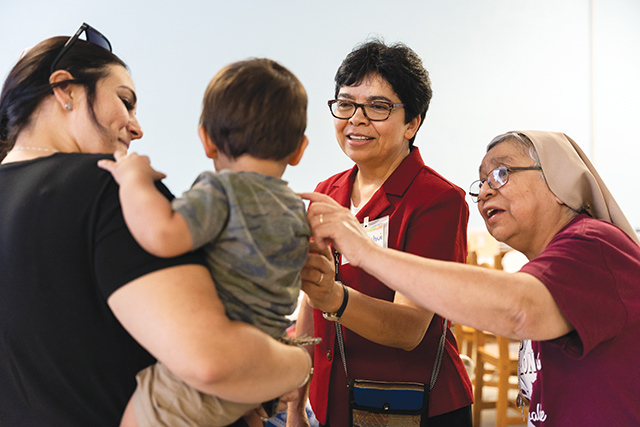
573	179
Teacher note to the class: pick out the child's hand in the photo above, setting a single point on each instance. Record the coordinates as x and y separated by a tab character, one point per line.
130	167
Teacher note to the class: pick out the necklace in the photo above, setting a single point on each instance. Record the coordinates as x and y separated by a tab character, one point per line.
36	149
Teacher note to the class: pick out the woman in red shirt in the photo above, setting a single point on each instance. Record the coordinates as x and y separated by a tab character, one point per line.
382	95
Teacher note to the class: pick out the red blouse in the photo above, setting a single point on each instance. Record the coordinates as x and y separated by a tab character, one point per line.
428	217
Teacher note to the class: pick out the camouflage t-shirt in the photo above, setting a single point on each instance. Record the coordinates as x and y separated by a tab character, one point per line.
254	231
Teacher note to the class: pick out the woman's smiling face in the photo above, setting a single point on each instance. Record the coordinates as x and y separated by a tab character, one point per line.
372	143
115	108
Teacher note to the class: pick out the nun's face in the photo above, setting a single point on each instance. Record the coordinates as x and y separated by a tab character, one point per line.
523	213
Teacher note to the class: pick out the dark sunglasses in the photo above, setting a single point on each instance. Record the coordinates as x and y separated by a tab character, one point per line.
93	36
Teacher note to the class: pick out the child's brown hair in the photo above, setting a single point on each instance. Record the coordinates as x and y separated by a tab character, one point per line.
255	107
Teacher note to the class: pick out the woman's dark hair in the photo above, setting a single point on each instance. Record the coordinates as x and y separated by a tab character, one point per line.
398	65
28	82
255	107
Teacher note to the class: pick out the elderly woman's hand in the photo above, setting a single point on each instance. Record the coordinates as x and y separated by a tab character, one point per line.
334	224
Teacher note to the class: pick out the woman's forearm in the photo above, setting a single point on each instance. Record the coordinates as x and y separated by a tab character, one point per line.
482	298
252	367
175	313
401	323
393	324
514	305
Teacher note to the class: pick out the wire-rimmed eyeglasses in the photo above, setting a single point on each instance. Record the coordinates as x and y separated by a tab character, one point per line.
497	178
94	36
375	111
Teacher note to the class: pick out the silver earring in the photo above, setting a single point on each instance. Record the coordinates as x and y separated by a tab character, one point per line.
68	106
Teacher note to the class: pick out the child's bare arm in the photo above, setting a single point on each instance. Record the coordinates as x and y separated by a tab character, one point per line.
148	214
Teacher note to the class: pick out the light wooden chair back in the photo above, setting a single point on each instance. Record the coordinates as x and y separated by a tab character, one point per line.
496	365
496	362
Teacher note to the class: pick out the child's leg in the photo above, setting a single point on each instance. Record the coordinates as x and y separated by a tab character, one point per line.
129	417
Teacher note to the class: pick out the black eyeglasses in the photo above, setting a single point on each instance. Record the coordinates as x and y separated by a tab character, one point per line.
93	36
497	178
375	111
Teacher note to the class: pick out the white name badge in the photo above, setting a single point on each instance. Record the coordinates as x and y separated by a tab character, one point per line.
377	230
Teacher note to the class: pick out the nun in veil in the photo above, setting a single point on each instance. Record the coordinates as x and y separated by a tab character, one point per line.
575	304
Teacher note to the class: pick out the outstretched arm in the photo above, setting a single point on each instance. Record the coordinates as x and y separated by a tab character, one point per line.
148	214
515	305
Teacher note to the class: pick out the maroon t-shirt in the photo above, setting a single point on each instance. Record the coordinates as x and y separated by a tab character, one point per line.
589	377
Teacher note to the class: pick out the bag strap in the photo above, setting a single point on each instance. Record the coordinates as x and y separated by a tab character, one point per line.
439	355
436	367
341	345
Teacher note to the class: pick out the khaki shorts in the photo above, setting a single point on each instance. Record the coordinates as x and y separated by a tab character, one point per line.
164	400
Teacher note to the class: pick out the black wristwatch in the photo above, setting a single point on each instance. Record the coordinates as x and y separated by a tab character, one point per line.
334	317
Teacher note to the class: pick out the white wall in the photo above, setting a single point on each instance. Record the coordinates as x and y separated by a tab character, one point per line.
496	65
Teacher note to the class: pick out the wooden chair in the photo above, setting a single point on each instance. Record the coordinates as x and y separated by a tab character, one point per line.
497	358
465	337
496	365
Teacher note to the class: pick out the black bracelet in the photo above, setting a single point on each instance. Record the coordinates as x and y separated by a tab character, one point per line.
345	300
334	317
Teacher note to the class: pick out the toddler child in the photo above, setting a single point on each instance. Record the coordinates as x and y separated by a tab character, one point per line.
251	225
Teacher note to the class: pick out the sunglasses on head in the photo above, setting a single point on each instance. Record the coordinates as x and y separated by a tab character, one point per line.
92	35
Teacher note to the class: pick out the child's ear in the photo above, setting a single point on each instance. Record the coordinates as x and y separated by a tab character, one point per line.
209	147
296	156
